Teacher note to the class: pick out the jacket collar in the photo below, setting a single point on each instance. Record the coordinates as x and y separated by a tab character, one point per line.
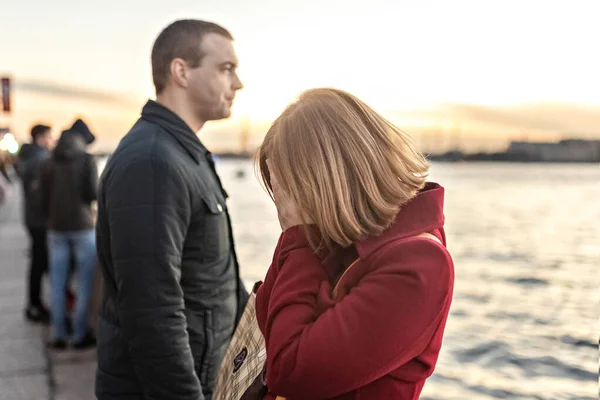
424	213
160	115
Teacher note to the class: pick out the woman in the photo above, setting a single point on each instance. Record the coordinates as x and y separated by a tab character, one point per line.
356	299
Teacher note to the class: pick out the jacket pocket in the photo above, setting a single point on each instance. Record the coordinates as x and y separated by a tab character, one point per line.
214	205
216	230
115	372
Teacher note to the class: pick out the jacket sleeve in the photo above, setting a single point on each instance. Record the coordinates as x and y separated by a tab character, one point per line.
28	174
18	166
44	174
382	323
148	208
90	184
242	300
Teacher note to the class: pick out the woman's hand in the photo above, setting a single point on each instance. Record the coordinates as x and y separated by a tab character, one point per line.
287	211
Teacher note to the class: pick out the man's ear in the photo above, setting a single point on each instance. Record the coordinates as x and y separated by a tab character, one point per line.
179	72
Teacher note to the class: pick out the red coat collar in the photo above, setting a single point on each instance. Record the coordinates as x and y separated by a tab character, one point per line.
424	213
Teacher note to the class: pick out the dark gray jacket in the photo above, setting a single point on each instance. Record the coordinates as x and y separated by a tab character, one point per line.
172	292
69	180
28	166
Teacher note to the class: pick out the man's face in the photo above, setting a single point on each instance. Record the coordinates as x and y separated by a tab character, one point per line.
45	139
212	86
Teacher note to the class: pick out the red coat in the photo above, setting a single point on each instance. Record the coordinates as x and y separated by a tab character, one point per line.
380	337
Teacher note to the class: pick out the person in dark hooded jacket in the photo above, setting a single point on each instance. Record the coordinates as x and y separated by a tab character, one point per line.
68	189
28	164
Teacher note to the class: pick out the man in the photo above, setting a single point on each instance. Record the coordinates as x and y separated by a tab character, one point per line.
28	164
69	181
172	293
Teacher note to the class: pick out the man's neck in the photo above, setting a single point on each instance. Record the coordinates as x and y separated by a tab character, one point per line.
182	109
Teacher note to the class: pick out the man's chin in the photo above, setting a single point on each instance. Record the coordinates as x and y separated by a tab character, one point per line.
221	114
216	113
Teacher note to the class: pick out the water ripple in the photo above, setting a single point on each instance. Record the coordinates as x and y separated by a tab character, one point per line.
528	281
578	342
548	366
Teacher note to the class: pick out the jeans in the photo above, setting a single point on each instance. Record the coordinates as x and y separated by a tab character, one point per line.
84	245
38	264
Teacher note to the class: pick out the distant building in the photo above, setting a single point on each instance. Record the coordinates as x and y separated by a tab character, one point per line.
571	150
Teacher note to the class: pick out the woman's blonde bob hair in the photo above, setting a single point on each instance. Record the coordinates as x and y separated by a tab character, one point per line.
347	168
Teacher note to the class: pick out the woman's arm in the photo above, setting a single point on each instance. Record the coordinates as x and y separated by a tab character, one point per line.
385	321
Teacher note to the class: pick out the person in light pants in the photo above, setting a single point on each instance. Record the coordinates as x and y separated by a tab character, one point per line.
69	180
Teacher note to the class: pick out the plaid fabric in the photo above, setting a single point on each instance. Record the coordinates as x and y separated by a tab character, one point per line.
244	359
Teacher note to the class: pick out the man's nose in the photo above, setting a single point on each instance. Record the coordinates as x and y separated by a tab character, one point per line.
237	83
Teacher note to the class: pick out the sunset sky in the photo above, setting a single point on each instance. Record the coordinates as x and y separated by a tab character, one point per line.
473	72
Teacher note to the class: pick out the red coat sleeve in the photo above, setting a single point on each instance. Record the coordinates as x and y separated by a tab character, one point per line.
385	321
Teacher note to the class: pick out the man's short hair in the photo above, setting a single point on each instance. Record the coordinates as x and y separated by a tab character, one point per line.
181	39
38	131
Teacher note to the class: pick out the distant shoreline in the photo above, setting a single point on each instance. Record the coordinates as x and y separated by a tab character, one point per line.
570	151
452	157
441	158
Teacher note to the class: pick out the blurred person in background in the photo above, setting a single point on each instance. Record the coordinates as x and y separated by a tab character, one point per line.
355	302
29	161
4	177
4	164
69	187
